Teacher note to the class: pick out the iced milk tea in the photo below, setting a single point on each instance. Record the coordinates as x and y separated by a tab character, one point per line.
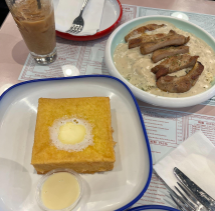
35	21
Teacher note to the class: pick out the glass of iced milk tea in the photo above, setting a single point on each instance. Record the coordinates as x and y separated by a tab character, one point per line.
35	20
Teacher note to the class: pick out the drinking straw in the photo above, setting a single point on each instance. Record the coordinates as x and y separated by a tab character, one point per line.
39	4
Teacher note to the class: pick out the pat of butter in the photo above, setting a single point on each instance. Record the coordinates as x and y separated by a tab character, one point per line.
71	133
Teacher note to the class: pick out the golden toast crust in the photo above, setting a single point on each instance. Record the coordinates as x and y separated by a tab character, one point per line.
98	157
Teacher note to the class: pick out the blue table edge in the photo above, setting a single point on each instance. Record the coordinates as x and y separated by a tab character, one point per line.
138	110
149	207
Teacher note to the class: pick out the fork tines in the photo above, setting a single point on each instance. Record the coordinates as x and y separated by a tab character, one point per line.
75	29
184	199
189	202
179	205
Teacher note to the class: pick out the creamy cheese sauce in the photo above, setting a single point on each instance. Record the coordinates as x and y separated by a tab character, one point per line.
136	68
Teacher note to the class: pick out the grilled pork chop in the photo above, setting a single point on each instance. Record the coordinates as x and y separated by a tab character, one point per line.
144	38
173	64
171	40
170	51
181	84
141	30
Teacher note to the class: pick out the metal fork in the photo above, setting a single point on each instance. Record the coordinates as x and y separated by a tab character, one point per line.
185	201
78	23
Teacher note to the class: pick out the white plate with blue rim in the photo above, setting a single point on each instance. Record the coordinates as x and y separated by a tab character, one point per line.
114	190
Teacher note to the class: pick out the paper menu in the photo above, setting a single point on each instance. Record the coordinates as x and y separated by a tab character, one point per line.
172	126
205	21
166	129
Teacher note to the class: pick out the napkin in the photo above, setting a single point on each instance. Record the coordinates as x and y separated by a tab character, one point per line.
195	157
67	10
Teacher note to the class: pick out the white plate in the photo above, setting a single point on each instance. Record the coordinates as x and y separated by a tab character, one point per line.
114	190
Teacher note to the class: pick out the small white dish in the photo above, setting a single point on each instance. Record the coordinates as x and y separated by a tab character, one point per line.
113	190
43	180
118	37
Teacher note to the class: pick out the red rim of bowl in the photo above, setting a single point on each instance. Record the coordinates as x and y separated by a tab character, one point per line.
95	36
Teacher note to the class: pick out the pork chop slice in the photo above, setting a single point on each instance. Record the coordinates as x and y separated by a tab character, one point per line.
171	40
141	30
181	84
173	64
144	38
170	51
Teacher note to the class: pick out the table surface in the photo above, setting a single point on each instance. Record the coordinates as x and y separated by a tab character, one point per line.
14	52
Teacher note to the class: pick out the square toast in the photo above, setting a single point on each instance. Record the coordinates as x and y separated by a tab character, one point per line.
95	158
